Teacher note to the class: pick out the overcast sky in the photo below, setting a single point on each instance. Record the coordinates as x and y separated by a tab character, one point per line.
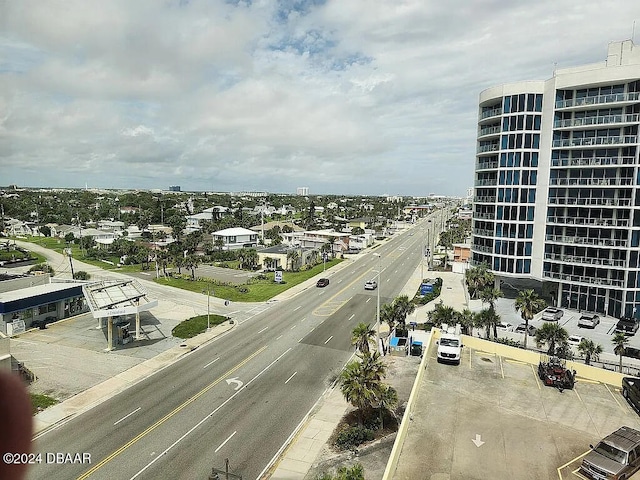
341	96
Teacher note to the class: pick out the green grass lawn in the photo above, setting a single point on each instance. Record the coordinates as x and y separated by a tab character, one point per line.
196	325
40	402
260	291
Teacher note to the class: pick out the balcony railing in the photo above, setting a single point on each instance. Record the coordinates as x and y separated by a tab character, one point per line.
589	141
605	202
585	260
488	216
486	165
605	222
570	162
598	99
485	182
491	113
483	232
602	242
489	131
597	120
614	181
485	199
488	148
582	279
482	248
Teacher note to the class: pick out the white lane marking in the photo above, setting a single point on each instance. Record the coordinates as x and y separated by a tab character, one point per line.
213	361
263	329
327	340
351	317
303	319
128	415
388	279
222	444
300	339
209	416
294	326
145	273
368	300
279	337
293	375
297	308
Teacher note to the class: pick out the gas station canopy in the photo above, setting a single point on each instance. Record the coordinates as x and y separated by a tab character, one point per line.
110	298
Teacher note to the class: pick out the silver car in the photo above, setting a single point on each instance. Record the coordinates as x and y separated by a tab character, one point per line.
589	320
552	314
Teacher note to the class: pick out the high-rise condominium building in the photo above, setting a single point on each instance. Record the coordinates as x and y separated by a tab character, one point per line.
302	191
557	183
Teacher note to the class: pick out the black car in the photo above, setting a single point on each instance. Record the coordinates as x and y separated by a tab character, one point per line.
323	282
627	325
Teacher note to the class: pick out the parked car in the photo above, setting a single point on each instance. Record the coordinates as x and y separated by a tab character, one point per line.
505	327
552	314
531	330
589	320
615	456
323	282
631	391
449	348
370	285
627	325
631	352
574	340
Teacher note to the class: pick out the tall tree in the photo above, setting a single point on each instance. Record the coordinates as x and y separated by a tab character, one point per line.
552	334
528	303
620	341
490	295
590	350
361	337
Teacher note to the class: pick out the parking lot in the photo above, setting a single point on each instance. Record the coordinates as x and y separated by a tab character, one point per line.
491	417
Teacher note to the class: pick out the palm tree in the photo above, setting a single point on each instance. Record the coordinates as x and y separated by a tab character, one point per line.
528	303
360	381
387	315
490	295
477	278
486	318
403	307
590	350
361	336
442	314
620	341
551	333
466	321
387	398
292	258
191	262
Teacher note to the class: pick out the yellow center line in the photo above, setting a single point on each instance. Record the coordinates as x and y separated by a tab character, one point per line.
117	452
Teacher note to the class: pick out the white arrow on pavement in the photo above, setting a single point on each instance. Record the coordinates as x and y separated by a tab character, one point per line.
236	381
478	440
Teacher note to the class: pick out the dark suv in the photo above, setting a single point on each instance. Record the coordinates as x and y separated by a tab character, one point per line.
627	325
631	391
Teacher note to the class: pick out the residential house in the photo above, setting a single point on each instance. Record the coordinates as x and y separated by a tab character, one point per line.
236	238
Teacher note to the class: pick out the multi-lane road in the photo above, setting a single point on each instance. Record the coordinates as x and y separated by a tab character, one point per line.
240	396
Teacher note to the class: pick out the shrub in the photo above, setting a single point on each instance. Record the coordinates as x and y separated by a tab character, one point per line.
508	341
350	437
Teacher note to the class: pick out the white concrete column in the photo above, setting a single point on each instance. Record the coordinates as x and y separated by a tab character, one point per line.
137	325
110	334
559	299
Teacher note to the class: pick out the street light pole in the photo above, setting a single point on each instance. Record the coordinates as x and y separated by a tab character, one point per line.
208	291
378	302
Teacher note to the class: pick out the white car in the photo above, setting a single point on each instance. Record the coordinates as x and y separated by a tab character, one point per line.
574	340
449	348
505	327
370	285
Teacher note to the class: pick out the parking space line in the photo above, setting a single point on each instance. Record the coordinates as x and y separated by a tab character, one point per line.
569	463
614	397
501	369
535	375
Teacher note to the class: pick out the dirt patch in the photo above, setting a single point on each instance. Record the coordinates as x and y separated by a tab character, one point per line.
373	456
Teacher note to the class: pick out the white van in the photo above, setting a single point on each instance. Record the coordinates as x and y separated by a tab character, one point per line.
449	348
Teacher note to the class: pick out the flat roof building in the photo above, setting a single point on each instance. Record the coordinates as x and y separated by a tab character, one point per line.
556	183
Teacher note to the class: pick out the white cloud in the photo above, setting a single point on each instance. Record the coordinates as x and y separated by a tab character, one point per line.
345	96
